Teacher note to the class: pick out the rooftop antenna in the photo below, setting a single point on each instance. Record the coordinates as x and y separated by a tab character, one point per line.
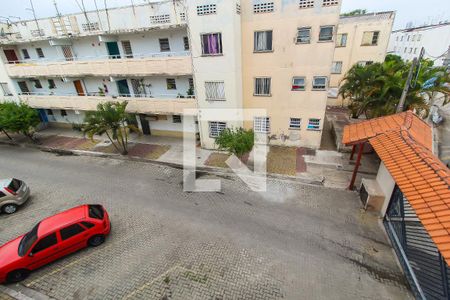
60	20
132	5
83	9
35	19
107	15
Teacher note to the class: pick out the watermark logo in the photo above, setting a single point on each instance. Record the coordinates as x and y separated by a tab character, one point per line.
255	179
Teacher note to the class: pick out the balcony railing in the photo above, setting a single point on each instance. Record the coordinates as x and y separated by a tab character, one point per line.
170	63
158	104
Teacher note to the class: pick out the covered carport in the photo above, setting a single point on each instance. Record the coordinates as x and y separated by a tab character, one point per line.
412	188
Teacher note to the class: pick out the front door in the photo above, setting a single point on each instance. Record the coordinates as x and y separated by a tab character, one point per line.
11	56
145	125
122	86
23	87
113	50
79	87
43	252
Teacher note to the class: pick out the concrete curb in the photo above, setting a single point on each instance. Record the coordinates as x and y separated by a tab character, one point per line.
21	292
316	180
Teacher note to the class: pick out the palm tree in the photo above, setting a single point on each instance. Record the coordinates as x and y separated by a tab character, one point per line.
111	119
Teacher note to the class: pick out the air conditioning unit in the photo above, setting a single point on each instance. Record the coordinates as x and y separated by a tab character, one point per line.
371	195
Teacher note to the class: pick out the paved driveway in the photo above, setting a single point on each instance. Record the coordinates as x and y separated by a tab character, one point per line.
293	242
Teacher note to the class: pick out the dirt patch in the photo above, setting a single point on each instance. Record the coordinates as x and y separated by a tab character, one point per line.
282	160
86	144
217	160
106	149
148	151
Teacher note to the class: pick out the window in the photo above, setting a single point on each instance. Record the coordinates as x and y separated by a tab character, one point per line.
176	119
49	112
261	124
215	90
171	84
211	44
295	123
306	3
413	38
410	50
37	83
396	38
23	87
370	38
164	45
406	48
408	38
336	67
40	53
87	224
415	50
313	124
419	37
326	33
28	240
44	243
206	9
70	231
96	212
63	113
298	83
126	46
304	35
51	84
330	2
401	39
262	41
191	83
263	7
182	16
238	8
341	40
186	43
25	54
319	83
4	87
215	128
160	19
262	86
364	63
91	26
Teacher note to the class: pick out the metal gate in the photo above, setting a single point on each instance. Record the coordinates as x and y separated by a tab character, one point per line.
427	272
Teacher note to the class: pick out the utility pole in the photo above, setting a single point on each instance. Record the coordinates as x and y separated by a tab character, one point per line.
401	104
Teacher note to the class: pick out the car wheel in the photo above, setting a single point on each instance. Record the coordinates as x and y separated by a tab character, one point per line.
9	208
96	240
17	275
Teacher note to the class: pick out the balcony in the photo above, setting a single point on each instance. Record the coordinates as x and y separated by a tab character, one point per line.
161	104
173	63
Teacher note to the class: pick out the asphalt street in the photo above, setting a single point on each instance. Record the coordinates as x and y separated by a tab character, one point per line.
295	241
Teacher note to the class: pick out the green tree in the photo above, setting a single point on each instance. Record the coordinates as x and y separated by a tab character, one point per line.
111	119
236	141
19	118
375	90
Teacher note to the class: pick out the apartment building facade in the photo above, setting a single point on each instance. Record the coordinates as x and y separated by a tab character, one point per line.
361	39
169	56
435	39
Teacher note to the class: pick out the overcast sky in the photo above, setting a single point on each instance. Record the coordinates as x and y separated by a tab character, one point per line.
416	11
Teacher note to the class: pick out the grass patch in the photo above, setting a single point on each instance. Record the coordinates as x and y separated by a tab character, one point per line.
217	160
282	160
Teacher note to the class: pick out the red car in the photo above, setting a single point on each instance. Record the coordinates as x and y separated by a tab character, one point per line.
53	238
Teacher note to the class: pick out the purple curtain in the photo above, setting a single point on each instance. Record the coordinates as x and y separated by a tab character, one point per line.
213	44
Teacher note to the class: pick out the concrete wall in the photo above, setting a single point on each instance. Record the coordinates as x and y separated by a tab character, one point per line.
287	60
408	42
226	67
354	51
387	184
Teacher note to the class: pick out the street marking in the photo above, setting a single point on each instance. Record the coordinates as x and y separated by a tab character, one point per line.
148	284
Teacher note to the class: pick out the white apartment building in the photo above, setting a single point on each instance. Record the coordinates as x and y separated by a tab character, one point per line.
407	43
168	56
361	39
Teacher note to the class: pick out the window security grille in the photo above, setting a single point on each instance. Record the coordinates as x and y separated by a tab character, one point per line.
295	123
263	41
215	128
261	124
262	86
207	9
306	3
314	124
264	7
91	26
319	83
215	90
336	67
304	35
160	19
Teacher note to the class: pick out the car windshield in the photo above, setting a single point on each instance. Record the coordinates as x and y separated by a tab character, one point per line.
14	185
28	240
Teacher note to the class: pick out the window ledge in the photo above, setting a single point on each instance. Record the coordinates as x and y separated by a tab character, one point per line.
263	51
212	55
336	72
327	41
298	90
324	89
296	129
303	43
214	100
341	46
269	95
368	45
310	129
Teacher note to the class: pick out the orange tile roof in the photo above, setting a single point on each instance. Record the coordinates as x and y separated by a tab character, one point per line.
423	179
361	132
404	142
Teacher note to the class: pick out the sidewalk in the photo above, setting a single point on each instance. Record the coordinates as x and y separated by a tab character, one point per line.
329	168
